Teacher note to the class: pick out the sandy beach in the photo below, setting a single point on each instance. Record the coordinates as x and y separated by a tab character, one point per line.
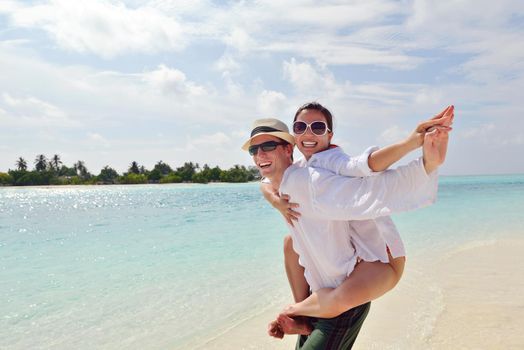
471	297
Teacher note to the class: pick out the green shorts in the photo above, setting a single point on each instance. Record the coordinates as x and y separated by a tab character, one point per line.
337	333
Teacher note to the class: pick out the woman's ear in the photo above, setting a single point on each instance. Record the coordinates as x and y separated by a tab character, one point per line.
330	136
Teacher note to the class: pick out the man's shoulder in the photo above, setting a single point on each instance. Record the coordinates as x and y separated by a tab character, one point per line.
294	170
298	174
295	177
331	152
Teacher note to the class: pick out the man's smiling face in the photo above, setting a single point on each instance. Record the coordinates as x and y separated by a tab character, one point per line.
275	162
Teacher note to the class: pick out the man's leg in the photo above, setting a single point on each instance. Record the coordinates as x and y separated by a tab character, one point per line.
338	333
300	290
294	272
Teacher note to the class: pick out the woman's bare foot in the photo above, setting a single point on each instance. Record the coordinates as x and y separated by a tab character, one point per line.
298	325
274	330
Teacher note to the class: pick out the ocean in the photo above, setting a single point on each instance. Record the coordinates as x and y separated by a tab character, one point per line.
173	266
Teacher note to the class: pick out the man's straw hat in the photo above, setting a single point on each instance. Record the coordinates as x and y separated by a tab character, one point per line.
269	126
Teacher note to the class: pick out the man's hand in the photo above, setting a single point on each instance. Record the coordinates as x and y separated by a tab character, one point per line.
435	149
442	121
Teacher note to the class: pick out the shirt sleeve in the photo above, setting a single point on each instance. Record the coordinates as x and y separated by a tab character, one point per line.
341	163
392	191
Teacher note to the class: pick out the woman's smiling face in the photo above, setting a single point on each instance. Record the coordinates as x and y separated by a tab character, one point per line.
309	143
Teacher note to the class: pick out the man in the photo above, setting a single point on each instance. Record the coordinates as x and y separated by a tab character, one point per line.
327	202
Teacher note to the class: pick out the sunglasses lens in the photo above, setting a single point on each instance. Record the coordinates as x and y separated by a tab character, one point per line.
266	147
299	127
253	150
318	128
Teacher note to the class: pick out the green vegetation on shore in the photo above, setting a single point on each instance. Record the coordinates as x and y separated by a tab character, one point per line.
53	172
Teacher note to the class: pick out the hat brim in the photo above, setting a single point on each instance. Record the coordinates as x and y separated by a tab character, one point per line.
281	135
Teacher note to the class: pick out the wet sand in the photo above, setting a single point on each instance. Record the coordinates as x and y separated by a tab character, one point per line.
471	297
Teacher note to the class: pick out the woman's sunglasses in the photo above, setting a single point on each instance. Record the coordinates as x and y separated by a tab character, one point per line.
318	128
266	147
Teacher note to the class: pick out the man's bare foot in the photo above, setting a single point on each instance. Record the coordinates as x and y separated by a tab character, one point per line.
298	325
274	330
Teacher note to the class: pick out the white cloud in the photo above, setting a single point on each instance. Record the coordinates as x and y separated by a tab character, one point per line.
272	103
393	134
340	13
204	68
198	148
100	27
239	39
233	89
33	112
214	140
227	64
172	81
517	140
481	131
97	139
311	81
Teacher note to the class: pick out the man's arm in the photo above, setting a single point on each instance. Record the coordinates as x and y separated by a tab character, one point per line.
382	159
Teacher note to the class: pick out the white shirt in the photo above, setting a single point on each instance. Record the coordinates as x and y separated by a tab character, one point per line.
371	237
322	234
335	160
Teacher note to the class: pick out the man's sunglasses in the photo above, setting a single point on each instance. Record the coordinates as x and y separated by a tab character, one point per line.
266	147
318	128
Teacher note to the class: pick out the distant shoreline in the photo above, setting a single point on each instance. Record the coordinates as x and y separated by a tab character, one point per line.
139	184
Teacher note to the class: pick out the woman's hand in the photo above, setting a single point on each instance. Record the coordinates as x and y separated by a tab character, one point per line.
435	149
442	121
287	209
281	203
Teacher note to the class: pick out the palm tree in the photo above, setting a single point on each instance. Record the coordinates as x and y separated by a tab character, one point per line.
108	175
40	162
55	162
21	164
81	169
133	168
163	168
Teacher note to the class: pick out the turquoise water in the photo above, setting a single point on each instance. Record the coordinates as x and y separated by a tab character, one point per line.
468	208
170	266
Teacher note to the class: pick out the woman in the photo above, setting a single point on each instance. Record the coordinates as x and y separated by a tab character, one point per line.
377	241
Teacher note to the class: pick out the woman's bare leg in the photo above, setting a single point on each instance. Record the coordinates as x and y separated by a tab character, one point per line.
368	281
294	272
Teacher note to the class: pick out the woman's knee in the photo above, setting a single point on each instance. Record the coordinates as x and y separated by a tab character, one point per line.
397	264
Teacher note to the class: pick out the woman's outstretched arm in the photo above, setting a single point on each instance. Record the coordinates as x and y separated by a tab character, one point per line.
383	158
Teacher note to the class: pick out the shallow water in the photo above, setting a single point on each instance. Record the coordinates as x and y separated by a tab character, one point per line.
170	266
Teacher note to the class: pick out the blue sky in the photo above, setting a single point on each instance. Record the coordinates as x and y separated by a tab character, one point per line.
111	82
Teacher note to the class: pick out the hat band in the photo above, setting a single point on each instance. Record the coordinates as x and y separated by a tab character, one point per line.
260	129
